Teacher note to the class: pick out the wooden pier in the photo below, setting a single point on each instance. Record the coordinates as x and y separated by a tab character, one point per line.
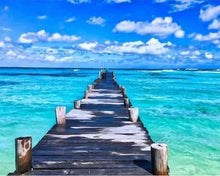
102	135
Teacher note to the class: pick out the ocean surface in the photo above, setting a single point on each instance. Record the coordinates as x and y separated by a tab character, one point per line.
180	108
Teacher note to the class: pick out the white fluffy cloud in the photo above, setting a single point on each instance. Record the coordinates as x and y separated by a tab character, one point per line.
32	37
208	55
11	53
153	46
215	24
42	17
77	1
158	27
88	45
41	35
69	20
210	13
180	5
212	36
96	21
56	37
2	44
118	1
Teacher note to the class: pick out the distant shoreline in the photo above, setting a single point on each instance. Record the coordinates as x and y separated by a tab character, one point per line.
150	69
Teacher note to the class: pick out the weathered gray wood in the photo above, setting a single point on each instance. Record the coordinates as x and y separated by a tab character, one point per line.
23	150
159	158
126	102
86	94
90	87
77	104
83	172
133	114
61	115
97	139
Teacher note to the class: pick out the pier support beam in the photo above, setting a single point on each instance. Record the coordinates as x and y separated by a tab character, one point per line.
77	104
61	115
159	158
23	150
86	94
133	114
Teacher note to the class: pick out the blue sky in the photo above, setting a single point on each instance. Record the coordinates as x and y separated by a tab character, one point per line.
110	33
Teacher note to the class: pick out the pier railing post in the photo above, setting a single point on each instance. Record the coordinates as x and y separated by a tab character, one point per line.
61	115
159	158
86	94
126	102
77	104
133	114
90	88
123	90
23	150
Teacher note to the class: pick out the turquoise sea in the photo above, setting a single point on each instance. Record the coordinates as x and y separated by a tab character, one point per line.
180	108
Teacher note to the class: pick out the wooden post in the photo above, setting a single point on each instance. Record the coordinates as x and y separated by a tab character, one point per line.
61	115
123	91
133	114
23	149
86	94
90	88
126	102
77	104
159	158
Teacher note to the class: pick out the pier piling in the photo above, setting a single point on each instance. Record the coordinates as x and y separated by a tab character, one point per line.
133	114
77	104
23	150
61	115
159	158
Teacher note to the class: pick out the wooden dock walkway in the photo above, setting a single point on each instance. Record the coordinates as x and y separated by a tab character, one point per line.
97	138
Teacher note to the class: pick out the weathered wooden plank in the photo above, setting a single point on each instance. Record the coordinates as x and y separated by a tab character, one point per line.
70	153
92	157
89	164
107	171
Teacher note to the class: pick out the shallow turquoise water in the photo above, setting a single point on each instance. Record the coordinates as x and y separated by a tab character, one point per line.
181	108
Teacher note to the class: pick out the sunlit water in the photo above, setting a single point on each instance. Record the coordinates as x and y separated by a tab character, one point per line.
181	108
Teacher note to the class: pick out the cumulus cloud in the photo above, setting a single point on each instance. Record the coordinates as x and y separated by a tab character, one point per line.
43	36
153	46
208	55
96	21
7	39
210	13
212	36
2	44
11	53
56	37
42	17
118	1
32	37
184	53
77	1
180	5
215	24
69	20
88	46
158	27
